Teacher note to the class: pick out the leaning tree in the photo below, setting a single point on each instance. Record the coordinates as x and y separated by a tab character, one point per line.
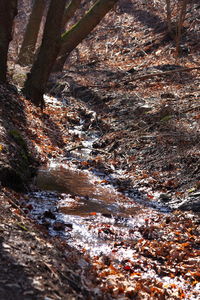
78	32
35	84
28	46
8	10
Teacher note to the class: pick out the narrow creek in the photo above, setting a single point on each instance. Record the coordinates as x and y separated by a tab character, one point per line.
86	209
78	206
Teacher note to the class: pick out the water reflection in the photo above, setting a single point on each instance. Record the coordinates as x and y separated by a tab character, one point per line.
78	206
88	194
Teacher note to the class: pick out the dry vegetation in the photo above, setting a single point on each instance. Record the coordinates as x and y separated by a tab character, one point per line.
148	115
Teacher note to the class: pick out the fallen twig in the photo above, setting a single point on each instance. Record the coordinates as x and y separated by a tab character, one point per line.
162	73
191	109
13	203
84	147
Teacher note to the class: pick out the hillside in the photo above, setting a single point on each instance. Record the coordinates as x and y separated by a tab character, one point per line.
127	108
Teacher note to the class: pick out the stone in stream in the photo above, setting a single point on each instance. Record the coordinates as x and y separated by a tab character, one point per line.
49	214
164	198
69	225
59	226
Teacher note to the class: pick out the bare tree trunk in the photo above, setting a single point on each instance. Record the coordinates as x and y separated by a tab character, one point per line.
169	17
70	11
180	25
31	34
35	85
8	10
81	29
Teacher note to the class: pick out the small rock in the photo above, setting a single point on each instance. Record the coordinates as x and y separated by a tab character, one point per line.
49	214
164	197
69	225
106	215
131	71
107	231
58	226
167	95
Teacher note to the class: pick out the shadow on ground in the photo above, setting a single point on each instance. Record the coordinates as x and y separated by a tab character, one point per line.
15	283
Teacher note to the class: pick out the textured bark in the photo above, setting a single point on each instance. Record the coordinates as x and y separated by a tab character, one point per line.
169	16
31	34
81	29
8	10
180	25
70	11
35	85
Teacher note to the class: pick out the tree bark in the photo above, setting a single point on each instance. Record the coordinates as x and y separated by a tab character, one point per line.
169	16
180	25
70	11
35	85
8	10
31	34
72	37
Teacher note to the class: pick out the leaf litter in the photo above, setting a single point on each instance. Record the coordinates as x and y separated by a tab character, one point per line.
146	139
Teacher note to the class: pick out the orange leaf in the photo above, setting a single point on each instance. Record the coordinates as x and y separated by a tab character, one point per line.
104	181
156	290
17	211
135	274
185	245
84	163
196	274
93	213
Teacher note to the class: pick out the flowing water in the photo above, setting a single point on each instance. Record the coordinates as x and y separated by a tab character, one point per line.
85	208
80	207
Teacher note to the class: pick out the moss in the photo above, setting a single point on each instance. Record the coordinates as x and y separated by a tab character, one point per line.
25	157
21	164
15	134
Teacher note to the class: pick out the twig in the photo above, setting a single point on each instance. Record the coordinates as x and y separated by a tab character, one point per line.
76	147
13	203
191	109
92	149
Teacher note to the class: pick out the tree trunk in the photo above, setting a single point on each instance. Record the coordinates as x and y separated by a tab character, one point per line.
72	37
70	11
169	16
35	85
180	25
31	34
8	10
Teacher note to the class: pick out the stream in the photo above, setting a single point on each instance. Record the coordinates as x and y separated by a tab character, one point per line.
80	207
86	208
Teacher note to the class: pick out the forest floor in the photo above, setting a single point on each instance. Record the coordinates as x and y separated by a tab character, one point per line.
126	83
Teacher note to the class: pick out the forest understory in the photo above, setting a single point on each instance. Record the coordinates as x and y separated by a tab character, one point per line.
125	84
